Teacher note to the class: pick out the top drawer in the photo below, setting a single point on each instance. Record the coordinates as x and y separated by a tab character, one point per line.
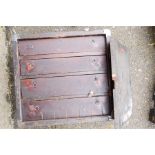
88	44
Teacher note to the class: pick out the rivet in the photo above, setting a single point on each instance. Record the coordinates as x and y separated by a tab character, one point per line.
34	84
30	46
37	108
93	41
96	79
97	102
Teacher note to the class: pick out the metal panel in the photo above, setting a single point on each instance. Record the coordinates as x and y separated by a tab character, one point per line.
46	88
122	84
61	55
64	65
66	108
62	45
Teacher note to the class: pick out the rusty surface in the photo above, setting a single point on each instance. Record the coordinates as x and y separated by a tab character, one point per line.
62	45
61	55
46	88
64	65
66	108
64	78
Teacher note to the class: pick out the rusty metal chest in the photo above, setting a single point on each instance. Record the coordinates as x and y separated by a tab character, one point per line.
63	78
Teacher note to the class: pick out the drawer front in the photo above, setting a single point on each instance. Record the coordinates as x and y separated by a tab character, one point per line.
60	66
46	88
63	109
62	45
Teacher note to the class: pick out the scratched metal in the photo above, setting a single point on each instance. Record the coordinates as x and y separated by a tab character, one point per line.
66	108
62	45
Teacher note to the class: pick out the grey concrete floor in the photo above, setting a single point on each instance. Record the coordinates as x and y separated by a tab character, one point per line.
5	105
140	42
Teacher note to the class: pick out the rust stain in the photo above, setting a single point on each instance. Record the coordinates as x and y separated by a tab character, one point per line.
33	110
28	83
29	67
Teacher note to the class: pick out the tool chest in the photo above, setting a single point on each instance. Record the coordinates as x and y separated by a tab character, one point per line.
67	77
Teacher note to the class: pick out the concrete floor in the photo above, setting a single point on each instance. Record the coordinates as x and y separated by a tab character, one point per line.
5	105
140	42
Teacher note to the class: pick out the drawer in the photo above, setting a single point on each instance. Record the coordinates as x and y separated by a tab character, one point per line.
87	44
65	109
61	66
68	86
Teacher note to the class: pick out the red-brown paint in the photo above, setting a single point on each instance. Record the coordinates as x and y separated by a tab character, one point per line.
64	78
28	84
29	67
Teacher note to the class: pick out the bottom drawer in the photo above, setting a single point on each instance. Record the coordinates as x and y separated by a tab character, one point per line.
65	108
